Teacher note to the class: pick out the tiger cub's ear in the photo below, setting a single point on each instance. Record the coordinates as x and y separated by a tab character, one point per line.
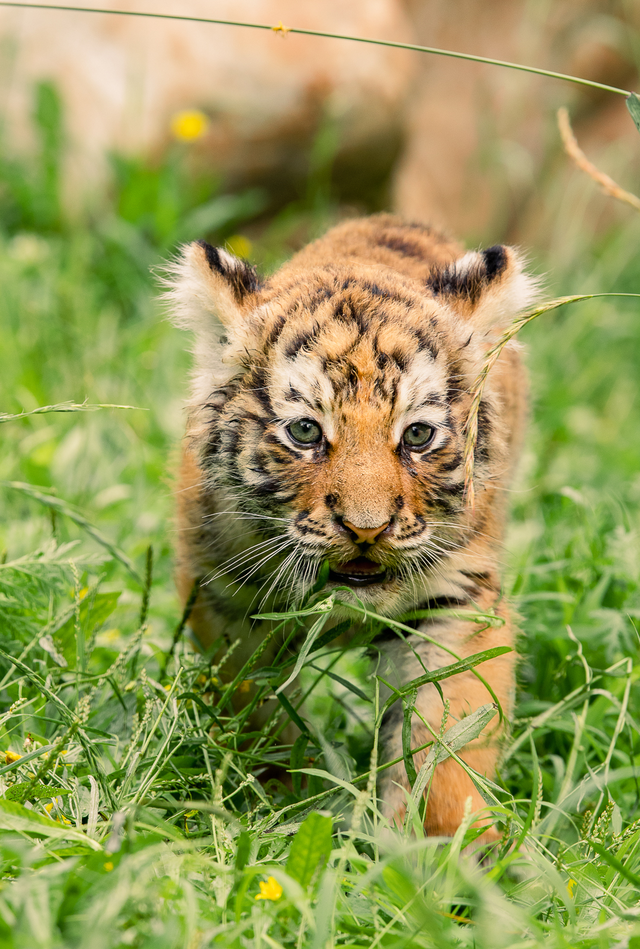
212	293
209	284
487	287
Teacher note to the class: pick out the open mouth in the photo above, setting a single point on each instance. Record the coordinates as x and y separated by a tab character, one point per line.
360	572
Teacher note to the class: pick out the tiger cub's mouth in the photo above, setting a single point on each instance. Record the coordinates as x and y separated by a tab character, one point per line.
360	572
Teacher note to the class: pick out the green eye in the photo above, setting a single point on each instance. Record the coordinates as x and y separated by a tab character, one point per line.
418	435
305	432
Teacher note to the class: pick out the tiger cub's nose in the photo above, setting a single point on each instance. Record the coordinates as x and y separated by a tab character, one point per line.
365	535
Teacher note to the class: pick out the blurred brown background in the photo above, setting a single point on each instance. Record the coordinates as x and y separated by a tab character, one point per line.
463	145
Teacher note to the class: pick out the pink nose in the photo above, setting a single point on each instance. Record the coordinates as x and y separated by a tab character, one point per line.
365	535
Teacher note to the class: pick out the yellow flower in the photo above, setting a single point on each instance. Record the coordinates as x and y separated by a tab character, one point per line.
239	245
571	887
108	866
49	807
271	890
11	756
282	30
245	685
189	125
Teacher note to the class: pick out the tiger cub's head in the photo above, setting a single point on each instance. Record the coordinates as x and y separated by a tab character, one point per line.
329	407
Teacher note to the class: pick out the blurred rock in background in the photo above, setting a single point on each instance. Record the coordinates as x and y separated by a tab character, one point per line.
122	79
463	145
481	141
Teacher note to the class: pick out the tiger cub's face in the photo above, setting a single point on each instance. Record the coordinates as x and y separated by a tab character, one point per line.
329	412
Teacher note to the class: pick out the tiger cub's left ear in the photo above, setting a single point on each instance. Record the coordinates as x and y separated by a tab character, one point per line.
487	287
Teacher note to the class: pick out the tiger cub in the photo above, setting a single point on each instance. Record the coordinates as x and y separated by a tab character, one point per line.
327	423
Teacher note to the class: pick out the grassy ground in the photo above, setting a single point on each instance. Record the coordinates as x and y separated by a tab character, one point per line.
132	817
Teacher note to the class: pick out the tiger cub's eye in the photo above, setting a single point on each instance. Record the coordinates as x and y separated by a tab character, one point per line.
305	432
418	435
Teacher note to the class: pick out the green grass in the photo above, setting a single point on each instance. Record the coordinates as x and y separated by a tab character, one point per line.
161	834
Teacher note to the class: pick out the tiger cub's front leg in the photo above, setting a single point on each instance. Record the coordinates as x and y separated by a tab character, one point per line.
451	786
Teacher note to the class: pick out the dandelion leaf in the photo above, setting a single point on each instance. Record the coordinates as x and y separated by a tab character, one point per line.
310	848
27	791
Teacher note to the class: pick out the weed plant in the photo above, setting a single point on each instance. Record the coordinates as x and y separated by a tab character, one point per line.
132	813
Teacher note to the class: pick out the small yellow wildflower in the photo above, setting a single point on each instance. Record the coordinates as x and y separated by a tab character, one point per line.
189	125
108	866
239	245
571	887
49	807
245	685
11	756
271	890
281	29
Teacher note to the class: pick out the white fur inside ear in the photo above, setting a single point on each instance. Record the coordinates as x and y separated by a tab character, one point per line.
201	301
503	297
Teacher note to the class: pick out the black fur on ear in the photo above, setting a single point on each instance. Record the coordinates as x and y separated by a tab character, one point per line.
485	287
469	276
241	276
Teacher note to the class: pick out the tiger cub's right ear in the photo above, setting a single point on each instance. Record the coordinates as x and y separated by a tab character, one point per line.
208	283
213	294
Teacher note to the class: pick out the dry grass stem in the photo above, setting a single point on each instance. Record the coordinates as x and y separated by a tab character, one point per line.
573	150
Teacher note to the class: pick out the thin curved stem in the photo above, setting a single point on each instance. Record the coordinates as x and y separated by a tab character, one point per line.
435	51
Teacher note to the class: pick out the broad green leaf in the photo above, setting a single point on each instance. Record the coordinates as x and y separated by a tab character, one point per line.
27	791
454	739
17	818
310	848
633	105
